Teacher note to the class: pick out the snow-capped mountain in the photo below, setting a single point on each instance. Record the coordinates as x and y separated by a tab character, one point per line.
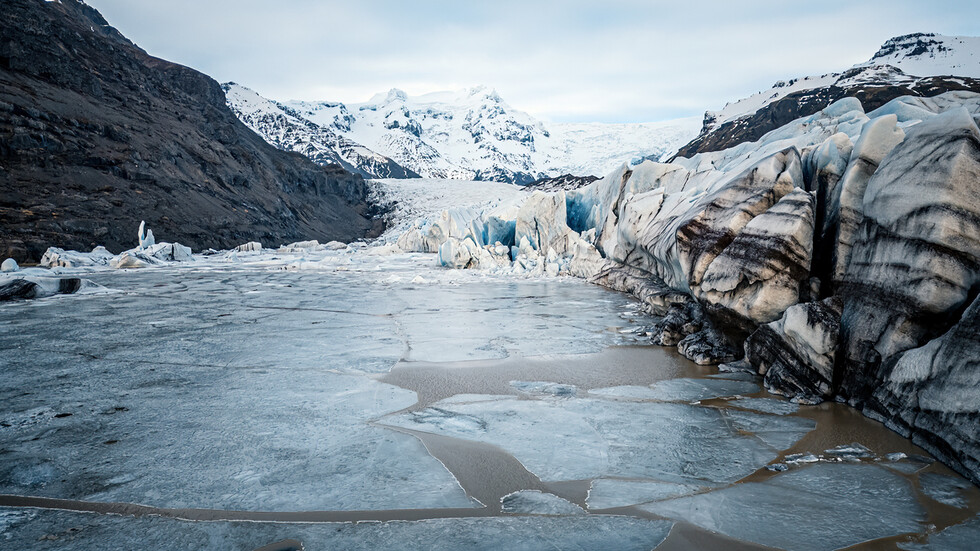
470	134
916	64
284	128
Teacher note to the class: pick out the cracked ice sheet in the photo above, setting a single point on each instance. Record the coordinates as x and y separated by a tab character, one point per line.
204	437
959	537
606	493
228	379
89	532
581	438
352	320
680	390
535	502
767	405
856	503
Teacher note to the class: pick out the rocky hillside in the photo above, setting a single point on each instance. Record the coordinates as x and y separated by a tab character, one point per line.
96	135
838	256
470	135
923	65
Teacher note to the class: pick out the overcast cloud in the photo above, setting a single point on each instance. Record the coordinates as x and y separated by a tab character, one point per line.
611	61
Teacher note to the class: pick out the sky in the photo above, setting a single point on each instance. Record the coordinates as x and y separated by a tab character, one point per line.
562	61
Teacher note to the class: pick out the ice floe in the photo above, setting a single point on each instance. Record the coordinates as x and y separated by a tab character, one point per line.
49	530
585	438
535	502
856	503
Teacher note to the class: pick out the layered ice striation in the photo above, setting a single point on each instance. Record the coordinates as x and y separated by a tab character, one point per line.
856	503
50	530
585	438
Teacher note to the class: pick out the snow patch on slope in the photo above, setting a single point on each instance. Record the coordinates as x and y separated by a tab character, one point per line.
899	60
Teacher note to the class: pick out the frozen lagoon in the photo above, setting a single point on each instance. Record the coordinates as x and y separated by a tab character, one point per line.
350	386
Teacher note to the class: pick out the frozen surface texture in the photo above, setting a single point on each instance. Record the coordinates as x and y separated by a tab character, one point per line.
606	493
766	405
584	438
781	511
959	537
945	489
533	502
237	385
681	390
56	530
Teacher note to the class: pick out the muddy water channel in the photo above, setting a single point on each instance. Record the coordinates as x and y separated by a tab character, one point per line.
362	403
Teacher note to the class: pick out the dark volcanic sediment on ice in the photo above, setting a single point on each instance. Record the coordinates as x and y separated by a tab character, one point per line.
96	135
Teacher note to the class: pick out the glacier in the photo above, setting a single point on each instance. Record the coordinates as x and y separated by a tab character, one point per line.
469	134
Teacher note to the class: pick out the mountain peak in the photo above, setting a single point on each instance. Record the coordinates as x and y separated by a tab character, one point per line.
912	45
929	54
391	96
395	95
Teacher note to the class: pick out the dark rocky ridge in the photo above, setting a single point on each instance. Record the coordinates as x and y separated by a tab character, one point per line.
565	181
872	94
96	135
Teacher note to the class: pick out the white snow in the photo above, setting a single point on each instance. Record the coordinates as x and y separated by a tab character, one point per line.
943	56
466	134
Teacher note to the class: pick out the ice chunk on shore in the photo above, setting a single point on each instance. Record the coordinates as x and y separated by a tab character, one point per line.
60	258
534	502
250	247
145	236
9	265
857	503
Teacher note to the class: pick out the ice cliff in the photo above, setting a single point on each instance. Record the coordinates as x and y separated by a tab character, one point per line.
839	255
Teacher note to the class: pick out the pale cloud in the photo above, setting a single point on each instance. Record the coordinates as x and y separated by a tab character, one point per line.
559	60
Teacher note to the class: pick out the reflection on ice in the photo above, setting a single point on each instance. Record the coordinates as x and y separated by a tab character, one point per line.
824	506
584	438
